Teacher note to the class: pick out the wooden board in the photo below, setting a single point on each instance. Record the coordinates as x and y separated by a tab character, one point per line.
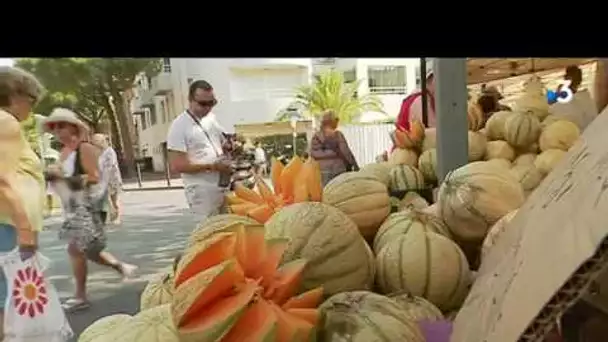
560	226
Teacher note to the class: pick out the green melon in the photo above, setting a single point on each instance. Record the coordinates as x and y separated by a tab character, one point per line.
214	223
528	176
412	200
380	171
427	265
427	164
495	126
158	292
417	308
401	222
338	257
102	326
477	146
406	178
362	316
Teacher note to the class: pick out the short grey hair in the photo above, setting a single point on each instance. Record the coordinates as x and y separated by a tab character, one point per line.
18	81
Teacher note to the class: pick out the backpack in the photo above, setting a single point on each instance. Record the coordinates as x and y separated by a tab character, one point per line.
403	119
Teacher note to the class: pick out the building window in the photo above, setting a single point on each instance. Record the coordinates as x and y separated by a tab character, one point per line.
418	77
350	75
152	115
387	79
166	64
144	120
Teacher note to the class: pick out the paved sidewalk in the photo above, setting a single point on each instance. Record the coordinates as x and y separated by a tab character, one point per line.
154	185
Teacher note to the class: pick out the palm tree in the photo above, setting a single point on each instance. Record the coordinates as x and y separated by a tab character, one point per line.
331	92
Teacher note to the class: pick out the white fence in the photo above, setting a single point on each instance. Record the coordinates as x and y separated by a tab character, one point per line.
367	141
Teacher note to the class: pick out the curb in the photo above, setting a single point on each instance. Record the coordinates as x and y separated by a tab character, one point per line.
156	188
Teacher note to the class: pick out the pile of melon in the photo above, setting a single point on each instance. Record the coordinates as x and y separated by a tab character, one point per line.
372	256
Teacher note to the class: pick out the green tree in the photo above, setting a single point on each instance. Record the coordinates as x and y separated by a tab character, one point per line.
330	92
93	88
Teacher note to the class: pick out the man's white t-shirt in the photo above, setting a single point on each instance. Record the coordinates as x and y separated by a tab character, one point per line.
581	110
260	155
202	143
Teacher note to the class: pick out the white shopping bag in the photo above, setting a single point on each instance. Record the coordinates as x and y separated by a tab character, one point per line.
32	311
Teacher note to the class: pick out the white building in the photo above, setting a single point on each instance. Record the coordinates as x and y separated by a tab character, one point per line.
254	90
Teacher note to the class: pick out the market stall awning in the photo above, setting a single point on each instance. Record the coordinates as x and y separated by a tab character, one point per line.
256	130
482	70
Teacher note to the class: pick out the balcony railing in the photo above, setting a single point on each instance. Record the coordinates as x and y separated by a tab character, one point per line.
388	90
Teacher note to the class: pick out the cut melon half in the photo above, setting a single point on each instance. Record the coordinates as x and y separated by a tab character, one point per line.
205	254
291	328
307	300
261	213
218	318
242	208
257	324
286	281
196	293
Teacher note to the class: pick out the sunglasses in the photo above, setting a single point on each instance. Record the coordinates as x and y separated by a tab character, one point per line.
210	103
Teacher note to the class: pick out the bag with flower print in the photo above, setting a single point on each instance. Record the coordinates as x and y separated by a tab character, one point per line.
32	312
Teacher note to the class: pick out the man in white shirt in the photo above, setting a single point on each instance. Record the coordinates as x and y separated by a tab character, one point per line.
581	108
195	142
260	159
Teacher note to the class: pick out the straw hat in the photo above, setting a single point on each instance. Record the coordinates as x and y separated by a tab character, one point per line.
64	115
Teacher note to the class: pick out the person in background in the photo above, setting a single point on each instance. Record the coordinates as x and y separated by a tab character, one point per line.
22	185
75	181
260	160
411	107
305	156
581	109
489	101
330	148
111	179
195	142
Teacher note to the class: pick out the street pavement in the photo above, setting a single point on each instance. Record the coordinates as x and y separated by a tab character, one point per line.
155	227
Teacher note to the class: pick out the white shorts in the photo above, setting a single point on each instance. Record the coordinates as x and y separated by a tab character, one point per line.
204	200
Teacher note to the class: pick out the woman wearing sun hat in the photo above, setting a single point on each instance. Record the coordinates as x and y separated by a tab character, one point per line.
75	181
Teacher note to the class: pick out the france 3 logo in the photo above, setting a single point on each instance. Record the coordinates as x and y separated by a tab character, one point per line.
563	94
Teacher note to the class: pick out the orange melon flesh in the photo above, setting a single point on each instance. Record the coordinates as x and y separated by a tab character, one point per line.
218	318
242	208
261	213
291	328
288	177
275	248
257	324
276	169
205	254
264	190
231	198
287	281
247	194
314	184
307	300
250	247
216	282
309	315
300	193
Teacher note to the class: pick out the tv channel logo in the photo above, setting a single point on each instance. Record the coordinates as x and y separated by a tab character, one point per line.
564	93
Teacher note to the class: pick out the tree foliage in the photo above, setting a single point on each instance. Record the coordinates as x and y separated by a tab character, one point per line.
330	92
93	88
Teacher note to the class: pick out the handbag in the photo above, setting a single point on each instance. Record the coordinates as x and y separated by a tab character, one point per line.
32	312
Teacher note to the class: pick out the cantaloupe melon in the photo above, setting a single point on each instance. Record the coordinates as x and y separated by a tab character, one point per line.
494	233
404	156
522	129
473	197
547	160
425	264
416	308
362	198
214	223
495	126
533	100
338	257
154	324
380	171
475	117
401	222
532	148
500	162
525	159
412	200
560	135
157	292
362	316
432	209
528	176
103	326
430	139
477	146
549	120
230	286
406	178
427	164
499	149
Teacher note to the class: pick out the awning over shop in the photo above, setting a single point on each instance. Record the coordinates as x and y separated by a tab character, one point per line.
482	70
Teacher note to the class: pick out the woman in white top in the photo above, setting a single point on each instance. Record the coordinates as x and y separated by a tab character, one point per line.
111	179
76	180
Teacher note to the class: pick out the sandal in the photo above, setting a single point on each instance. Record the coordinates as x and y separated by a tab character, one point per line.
75	304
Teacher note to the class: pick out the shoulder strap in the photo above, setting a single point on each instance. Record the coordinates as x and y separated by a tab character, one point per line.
78	168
